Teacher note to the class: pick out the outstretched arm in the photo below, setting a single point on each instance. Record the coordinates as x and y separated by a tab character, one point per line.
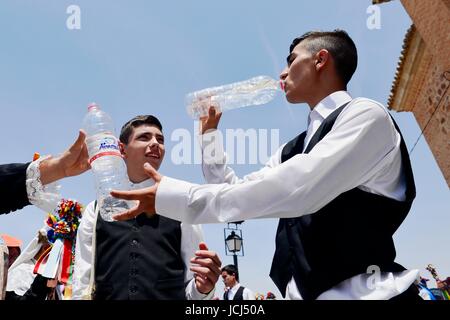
13	177
343	160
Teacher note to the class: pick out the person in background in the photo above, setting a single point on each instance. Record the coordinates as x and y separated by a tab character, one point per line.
23	284
233	289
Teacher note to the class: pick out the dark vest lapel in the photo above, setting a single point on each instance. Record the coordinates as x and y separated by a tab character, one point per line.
239	296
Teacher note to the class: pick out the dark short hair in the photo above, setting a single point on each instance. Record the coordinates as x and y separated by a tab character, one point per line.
127	128
339	45
231	270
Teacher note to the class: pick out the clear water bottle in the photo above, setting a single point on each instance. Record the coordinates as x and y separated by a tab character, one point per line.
255	91
106	161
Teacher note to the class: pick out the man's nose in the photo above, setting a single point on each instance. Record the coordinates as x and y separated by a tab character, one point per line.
153	142
284	74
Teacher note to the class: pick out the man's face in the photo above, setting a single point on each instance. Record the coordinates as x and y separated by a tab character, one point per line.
146	144
300	74
228	280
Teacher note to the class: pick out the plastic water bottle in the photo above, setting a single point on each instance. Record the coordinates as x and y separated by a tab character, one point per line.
255	91
106	161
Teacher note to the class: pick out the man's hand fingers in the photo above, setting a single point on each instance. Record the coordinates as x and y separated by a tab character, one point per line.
199	255
85	158
129	214
203	285
205	253
78	144
127	195
205	273
204	282
151	172
212	112
207	263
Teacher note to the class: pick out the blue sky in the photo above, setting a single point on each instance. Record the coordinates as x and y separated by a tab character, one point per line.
142	57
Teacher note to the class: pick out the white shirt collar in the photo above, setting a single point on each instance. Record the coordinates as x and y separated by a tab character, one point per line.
330	103
141	185
236	287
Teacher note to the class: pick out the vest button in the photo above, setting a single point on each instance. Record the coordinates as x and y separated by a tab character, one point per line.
134	228
134	242
133	289
134	256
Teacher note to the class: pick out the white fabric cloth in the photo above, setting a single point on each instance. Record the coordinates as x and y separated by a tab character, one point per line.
20	274
45	197
247	294
362	150
191	236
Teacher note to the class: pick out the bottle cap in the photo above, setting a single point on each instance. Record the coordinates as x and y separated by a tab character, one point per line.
93	105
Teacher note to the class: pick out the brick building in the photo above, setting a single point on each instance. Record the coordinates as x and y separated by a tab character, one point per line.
421	83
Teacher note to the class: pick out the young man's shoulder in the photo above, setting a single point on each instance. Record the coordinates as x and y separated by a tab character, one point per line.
366	105
364	102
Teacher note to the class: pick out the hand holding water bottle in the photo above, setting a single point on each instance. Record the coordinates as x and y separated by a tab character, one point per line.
255	91
211	121
108	167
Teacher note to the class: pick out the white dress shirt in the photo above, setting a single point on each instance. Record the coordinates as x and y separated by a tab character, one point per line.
191	236
247	294
362	150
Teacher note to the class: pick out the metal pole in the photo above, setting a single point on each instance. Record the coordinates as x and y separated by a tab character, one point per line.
236	265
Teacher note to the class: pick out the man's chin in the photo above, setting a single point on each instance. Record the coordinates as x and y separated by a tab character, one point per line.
291	99
294	98
155	163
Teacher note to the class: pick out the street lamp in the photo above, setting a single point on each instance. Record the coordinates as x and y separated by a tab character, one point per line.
234	242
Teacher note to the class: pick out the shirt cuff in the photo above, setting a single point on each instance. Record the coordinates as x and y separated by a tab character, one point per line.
45	197
196	295
172	198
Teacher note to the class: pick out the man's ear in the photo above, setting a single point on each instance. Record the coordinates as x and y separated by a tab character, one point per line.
322	58
122	149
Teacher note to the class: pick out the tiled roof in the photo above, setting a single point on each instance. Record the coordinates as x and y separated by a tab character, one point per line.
401	63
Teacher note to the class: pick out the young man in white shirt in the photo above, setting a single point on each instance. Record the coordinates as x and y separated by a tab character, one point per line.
147	257
341	188
234	290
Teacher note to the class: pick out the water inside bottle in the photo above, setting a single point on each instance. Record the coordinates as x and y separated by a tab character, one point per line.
110	206
255	91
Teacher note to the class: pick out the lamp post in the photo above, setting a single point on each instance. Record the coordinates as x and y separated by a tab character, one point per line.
234	242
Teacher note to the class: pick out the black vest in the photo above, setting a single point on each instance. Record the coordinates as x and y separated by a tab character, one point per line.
344	238
239	296
139	259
